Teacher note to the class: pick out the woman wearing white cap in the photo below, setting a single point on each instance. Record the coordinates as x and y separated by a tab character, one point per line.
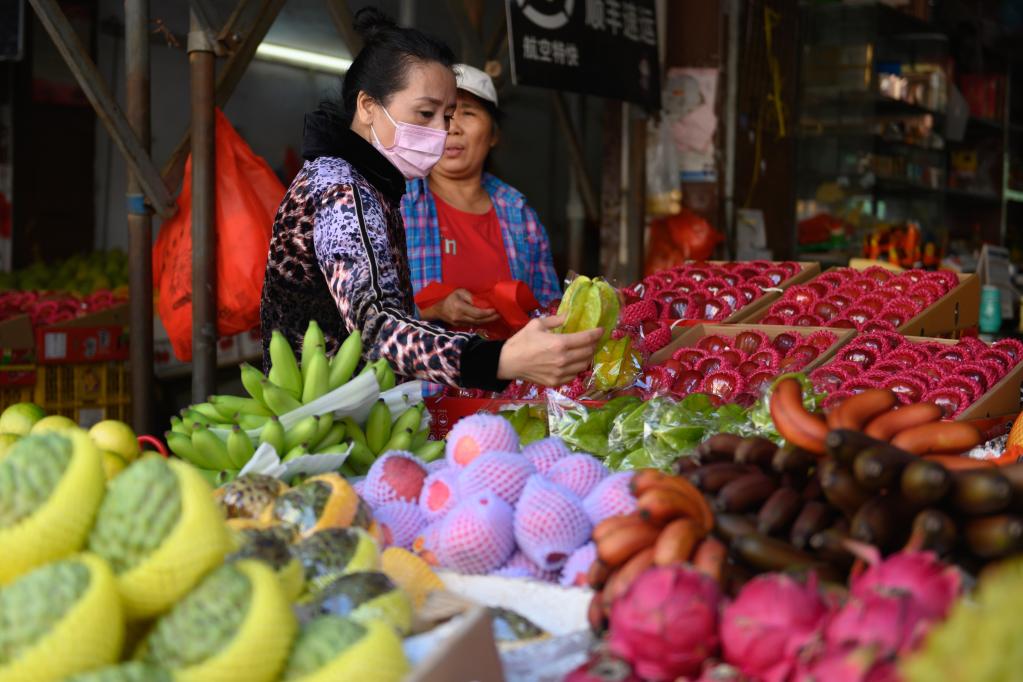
465	228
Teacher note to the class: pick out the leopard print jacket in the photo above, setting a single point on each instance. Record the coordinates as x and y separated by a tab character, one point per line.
337	255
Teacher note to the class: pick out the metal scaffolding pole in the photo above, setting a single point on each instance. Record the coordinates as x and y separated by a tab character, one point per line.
202	64
140	222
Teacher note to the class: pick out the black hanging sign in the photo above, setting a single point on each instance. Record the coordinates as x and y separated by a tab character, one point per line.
597	47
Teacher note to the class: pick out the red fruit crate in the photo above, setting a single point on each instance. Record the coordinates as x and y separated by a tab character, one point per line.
445	412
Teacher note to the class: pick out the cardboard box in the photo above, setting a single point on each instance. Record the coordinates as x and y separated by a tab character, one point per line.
97	337
956	312
690	336
1002	399
468	654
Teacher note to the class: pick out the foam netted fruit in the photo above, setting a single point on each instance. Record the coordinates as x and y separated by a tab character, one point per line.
578	473
521	566
272	546
394	476
440	493
236	625
59	620
477	536
576	569
332	553
478	434
161	531
550	523
399	523
333	648
50	488
250	496
410	573
544	454
321	502
502	473
366	597
611	497
133	671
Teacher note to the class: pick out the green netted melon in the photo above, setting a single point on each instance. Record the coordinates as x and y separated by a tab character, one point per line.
133	671
366	597
59	620
161	531
235	626
331	648
332	553
50	488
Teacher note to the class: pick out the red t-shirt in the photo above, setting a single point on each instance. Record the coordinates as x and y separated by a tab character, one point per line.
472	248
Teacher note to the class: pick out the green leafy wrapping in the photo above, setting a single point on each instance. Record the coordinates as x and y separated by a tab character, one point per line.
33	604
29	473
760	413
302	506
141	508
319	642
134	671
270	545
203	623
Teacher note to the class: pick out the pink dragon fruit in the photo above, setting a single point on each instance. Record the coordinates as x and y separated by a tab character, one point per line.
723	673
440	493
394	476
477	536
666	624
847	664
520	566
503	473
579	473
933	584
771	620
545	453
478	434
611	497
399	523
889	623
550	523
602	668
574	574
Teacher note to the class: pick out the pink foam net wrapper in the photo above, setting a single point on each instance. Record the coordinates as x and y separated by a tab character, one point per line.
550	523
394	476
399	523
477	536
579	473
611	497
502	473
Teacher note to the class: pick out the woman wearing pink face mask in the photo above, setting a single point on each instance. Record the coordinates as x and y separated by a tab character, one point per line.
338	252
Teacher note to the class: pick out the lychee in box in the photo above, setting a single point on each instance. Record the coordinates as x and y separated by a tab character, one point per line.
735	361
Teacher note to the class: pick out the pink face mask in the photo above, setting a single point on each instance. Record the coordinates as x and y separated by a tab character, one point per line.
416	149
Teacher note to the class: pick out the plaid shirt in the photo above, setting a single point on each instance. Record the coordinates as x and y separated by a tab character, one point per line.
525	240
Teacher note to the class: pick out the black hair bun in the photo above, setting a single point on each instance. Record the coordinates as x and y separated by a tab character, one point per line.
370	22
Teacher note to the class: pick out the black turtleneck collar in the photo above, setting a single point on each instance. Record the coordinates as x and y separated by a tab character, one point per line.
327	135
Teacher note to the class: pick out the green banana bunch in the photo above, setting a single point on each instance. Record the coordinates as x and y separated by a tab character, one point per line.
312	342
239	447
378	427
344	362
284	371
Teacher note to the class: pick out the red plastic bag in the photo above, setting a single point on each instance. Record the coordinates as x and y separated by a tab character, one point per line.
248	194
679	238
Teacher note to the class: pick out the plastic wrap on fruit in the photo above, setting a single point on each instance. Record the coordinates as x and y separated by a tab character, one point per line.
760	414
629	427
616	365
672	429
585	429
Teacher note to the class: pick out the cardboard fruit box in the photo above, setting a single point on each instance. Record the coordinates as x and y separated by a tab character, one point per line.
97	337
956	312
1004	398
688	337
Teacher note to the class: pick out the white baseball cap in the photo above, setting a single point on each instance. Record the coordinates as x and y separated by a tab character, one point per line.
473	80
